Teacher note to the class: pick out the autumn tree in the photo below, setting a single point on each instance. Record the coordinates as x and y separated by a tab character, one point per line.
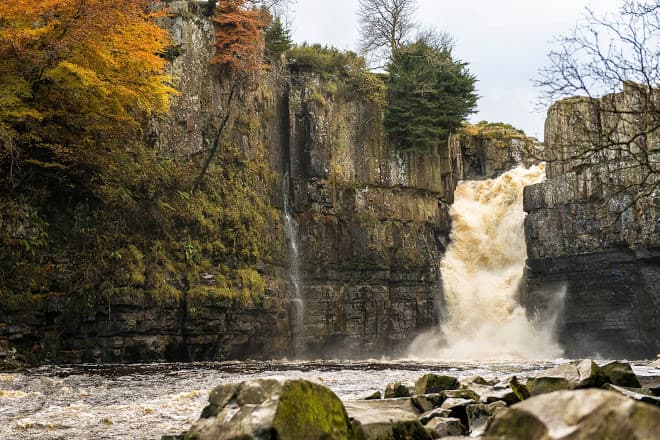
239	41
384	26
602	56
77	78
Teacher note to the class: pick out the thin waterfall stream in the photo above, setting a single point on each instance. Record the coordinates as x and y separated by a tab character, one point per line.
482	272
291	235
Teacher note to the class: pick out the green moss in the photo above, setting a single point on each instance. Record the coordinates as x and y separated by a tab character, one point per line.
433	383
307	411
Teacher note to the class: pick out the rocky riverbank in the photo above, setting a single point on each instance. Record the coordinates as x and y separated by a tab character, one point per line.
576	400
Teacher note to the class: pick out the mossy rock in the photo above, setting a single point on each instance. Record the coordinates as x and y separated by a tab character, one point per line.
263	409
543	385
433	383
310	411
395	390
520	390
620	374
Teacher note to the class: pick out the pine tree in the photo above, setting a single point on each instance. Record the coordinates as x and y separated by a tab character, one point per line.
429	95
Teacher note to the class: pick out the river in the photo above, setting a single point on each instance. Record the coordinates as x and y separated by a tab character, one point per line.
150	400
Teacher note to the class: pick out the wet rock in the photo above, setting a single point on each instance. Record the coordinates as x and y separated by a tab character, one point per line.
437	412
446	426
462	394
262	408
458	409
621	374
386	419
395	390
576	415
467	381
478	415
374	396
427	402
520	390
640	394
572	375
433	383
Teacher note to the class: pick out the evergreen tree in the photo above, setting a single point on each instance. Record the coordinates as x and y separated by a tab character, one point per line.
278	38
429	95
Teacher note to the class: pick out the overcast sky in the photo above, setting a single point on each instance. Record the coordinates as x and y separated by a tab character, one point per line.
505	42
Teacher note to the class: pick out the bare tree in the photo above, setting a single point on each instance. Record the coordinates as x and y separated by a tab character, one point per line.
385	26
619	133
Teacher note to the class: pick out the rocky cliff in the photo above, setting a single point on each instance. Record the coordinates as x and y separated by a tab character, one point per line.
371	225
590	232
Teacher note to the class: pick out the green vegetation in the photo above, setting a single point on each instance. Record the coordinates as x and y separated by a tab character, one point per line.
278	38
429	95
344	68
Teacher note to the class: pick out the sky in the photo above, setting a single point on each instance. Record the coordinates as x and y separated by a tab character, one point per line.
505	43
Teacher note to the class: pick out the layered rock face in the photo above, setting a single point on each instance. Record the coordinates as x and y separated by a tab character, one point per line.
372	224
591	233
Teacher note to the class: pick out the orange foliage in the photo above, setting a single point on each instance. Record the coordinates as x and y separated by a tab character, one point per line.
239	37
78	73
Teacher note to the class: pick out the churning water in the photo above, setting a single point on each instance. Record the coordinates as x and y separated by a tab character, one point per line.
482	272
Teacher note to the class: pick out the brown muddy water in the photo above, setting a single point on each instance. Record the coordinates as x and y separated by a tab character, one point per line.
148	401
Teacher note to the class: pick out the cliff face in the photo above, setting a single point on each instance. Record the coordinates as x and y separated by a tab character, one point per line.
372	224
588	234
371	227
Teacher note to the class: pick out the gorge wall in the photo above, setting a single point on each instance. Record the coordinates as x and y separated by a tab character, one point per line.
372	225
587	234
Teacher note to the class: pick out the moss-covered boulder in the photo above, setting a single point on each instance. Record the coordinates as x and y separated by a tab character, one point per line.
395	390
519	389
433	383
576	415
263	409
620	374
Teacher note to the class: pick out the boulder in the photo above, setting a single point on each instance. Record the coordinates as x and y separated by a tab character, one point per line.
640	394
572	375
521	392
458	407
385	419
576	415
446	426
621	374
433	383
426	402
478	415
374	396
432	414
462	394
262	408
395	390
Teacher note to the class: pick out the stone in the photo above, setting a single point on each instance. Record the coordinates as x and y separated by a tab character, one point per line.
576	415
478	415
621	374
433	383
462	394
260	408
521	392
458	409
374	396
467	381
385	419
640	394
433	413
427	402
572	375
395	390
446	426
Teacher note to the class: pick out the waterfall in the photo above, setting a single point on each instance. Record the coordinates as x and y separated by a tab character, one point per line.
291	235
482	272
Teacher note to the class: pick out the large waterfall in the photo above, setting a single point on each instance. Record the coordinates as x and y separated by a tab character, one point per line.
482	271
